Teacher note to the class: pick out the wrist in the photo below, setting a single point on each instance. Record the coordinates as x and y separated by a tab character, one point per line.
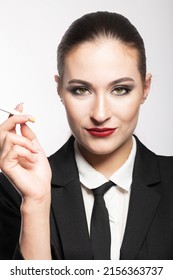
38	205
35	228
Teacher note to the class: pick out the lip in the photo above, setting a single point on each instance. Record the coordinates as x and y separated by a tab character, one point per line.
101	132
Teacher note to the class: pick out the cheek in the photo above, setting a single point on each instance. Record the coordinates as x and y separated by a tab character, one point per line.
74	112
77	109
128	111
71	114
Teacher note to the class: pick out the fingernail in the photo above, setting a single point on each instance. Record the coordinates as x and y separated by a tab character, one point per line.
28	118
19	105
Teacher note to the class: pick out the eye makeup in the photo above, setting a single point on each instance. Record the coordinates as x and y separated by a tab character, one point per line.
119	87
78	90
121	90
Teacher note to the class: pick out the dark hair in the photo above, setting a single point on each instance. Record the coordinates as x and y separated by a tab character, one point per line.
101	24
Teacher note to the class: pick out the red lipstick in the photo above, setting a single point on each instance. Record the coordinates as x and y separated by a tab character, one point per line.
101	132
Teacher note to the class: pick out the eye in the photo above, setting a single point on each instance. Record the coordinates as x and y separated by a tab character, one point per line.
80	91
121	90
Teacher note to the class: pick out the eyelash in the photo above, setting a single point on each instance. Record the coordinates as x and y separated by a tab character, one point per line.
123	88
86	92
75	89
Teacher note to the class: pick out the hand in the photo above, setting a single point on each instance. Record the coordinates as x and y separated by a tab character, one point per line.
23	160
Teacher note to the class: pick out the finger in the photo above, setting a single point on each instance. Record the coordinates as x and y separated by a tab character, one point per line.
10	123
17	155
19	108
29	134
12	139
20	152
9	127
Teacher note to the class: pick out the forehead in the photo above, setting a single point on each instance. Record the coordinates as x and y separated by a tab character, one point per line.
101	56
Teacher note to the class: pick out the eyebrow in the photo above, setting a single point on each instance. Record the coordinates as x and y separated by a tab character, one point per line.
121	80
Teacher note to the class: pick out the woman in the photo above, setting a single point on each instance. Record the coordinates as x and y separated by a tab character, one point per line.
47	207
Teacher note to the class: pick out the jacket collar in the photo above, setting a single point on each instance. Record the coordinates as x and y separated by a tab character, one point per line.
146	168
63	164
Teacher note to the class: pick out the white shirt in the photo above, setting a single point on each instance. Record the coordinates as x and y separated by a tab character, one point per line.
116	198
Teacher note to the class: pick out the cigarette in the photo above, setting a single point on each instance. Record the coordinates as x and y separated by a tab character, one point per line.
15	112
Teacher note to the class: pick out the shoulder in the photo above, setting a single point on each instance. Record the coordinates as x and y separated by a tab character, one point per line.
166	164
163	160
152	164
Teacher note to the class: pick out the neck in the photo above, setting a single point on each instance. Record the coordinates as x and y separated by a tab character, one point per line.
107	164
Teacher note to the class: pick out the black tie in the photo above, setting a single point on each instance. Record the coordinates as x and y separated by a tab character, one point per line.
100	227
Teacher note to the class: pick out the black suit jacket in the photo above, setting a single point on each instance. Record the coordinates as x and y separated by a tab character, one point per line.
149	229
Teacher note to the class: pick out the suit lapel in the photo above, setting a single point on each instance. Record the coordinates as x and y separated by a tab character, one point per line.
67	205
144	200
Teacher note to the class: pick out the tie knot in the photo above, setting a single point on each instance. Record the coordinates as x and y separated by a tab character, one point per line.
103	188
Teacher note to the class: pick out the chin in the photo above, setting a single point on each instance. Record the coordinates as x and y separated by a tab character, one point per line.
100	149
104	147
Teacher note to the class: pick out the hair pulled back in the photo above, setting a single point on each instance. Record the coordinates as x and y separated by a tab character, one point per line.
92	26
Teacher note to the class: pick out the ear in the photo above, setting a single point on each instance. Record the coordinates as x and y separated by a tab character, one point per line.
146	88
57	80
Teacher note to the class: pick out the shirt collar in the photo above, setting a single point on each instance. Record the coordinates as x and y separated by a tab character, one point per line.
92	179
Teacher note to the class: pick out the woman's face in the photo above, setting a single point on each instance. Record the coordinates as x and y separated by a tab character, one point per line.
102	92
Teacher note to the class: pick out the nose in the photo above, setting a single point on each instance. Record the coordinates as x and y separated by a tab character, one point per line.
100	111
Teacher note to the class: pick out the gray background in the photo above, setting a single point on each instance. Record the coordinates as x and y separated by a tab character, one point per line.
29	34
